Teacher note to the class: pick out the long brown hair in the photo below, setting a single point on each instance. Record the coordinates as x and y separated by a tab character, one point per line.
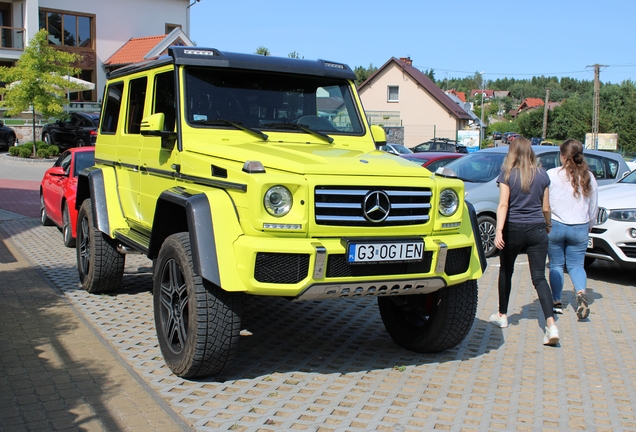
520	156
576	167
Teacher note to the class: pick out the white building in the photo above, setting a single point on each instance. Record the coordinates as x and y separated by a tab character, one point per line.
95	29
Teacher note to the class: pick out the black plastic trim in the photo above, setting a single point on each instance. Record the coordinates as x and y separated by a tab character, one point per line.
475	224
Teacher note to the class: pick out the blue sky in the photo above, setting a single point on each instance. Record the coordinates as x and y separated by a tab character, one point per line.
503	38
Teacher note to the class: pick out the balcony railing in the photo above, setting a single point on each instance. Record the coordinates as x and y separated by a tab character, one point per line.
11	38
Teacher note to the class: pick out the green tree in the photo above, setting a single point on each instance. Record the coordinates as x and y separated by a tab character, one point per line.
294	54
38	80
363	73
261	50
430	73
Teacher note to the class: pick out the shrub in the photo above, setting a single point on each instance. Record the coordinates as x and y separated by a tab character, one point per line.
43	153
25	151
54	151
14	151
40	144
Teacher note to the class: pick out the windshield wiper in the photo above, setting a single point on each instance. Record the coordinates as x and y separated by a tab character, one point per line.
249	130
287	125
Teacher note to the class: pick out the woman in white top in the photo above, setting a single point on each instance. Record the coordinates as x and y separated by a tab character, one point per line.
573	204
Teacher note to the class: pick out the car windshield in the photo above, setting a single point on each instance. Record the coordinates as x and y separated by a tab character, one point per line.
270	101
630	178
478	167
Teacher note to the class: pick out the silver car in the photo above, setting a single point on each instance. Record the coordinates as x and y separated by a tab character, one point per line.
479	171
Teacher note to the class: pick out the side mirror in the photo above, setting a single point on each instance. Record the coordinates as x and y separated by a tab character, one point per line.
57	171
153	126
379	136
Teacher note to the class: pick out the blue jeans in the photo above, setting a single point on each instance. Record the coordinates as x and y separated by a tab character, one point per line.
566	247
534	239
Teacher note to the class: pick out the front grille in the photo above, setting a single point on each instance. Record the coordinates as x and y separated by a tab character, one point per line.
629	249
602	215
281	268
344	205
457	261
337	266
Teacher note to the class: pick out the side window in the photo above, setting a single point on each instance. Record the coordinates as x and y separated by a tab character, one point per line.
112	108
612	168
60	160
549	160
597	167
164	99
136	101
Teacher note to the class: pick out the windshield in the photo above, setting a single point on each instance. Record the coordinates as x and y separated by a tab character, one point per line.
478	167
268	101
630	178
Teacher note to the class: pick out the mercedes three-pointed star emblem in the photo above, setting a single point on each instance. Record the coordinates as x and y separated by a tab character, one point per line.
376	206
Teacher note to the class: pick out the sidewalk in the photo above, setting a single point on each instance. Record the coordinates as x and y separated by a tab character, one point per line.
56	372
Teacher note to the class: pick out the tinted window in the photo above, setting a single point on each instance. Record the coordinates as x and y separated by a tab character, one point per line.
597	167
164	101
83	160
112	108
136	101
63	157
549	160
478	167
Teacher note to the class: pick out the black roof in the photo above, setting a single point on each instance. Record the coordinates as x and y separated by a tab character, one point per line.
211	57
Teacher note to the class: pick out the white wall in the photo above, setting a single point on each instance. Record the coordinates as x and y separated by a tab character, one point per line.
116	21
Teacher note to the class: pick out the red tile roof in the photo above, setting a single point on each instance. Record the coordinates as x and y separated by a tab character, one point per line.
531	103
134	50
426	83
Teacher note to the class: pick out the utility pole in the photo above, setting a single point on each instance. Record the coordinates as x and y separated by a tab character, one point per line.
545	114
597	100
481	126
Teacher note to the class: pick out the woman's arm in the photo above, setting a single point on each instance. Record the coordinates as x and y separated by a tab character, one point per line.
502	213
547	214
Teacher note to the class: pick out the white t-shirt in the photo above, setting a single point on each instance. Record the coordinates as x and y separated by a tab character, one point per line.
565	207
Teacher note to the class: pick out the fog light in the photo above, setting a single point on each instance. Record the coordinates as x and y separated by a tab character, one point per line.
632	232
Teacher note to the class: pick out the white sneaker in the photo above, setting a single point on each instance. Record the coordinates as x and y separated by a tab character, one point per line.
551	335
499	320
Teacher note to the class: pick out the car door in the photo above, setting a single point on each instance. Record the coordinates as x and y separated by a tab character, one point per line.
53	190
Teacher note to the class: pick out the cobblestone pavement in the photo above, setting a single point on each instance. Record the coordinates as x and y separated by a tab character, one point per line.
330	366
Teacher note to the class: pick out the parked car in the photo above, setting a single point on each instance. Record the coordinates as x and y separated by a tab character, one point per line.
58	190
547	143
496	135
440	145
631	164
479	171
432	160
7	136
506	136
397	149
536	140
613	238
79	129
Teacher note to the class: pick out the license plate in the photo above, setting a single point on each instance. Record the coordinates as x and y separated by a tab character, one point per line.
367	252
590	243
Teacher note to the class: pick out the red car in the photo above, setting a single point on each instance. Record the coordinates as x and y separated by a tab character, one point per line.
432	160
59	188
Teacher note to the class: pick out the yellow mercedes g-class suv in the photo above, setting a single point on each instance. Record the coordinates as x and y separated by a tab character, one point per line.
251	175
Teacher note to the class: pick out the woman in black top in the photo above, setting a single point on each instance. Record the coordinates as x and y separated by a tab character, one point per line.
523	221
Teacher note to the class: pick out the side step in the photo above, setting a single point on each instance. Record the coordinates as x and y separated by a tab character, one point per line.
132	242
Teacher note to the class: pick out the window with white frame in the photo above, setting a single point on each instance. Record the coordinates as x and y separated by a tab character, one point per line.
393	94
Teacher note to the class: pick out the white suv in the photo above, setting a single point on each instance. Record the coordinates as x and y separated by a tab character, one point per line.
613	238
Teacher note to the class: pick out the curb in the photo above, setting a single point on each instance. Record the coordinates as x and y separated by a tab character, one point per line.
18	160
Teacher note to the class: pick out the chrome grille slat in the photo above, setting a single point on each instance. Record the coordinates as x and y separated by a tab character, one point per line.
344	205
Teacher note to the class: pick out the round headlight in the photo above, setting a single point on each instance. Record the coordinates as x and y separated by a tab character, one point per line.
278	201
448	202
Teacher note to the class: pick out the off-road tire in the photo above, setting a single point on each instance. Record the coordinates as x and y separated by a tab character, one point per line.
47	138
430	322
44	217
487	231
198	324
80	143
67	228
10	141
100	266
588	262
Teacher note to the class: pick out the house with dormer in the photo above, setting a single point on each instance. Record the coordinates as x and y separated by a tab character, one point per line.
400	94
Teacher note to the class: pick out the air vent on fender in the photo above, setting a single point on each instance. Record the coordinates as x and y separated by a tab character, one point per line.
218	171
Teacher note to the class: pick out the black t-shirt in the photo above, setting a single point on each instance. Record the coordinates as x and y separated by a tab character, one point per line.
526	207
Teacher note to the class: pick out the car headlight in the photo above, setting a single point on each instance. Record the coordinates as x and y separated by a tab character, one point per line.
623	215
278	201
448	202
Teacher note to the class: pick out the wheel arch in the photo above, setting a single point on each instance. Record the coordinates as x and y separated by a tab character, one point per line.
179	211
475	225
90	184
